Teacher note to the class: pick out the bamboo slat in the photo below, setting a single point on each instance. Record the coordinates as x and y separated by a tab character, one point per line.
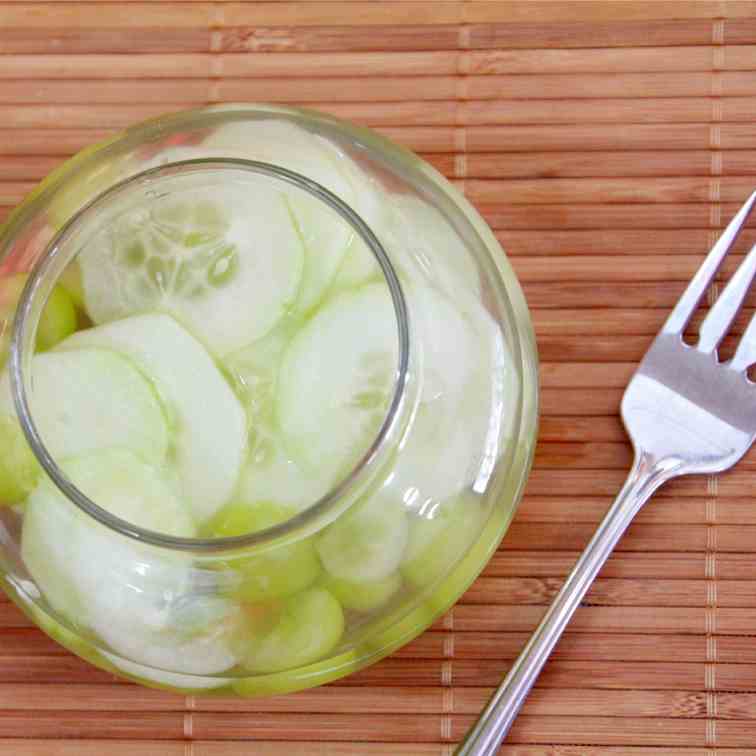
733	511
633	321
508	35
323	38
28	41
597	216
74	747
36	747
608	164
626	241
574	137
606	144
438	113
633	136
508	139
108	15
582	73
608	619
560	428
28	144
601	675
678	564
581	646
550	191
283	65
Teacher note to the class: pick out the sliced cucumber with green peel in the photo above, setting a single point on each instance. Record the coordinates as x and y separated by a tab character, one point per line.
254	370
225	260
138	599
70	282
57	321
208	421
295	632
367	543
439	538
423	237
366	596
196	639
278	572
450	440
269	474
19	469
85	570
450	347
359	267
50	542
336	380
371	204
82	401
439	456
327	669
326	236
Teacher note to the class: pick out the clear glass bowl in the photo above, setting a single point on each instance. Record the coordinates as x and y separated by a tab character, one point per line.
269	404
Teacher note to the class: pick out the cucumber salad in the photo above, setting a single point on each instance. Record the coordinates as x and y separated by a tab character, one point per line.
212	363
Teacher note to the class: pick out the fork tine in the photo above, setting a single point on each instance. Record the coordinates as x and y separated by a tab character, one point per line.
721	315
745	354
688	302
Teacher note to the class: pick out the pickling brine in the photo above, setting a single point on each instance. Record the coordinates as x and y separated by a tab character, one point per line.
267	403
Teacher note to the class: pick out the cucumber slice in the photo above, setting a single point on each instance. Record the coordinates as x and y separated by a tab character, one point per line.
83	569
335	383
226	261
298	631
438	539
427	240
138	599
89	399
208	420
453	440
70	283
363	596
326	236
372	205
367	543
255	368
57	321
494	396
359	267
278	572
336	380
269	474
196	639
449	345
19	469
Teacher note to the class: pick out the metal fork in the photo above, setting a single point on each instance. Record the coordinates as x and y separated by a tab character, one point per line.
686	413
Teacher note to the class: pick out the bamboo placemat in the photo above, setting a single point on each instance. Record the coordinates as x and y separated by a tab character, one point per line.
606	143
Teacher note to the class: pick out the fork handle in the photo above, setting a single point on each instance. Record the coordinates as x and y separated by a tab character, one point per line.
484	738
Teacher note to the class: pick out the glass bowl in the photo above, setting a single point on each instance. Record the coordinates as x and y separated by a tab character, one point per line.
268	405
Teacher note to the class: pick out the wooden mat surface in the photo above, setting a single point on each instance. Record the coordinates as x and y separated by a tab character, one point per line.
606	143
